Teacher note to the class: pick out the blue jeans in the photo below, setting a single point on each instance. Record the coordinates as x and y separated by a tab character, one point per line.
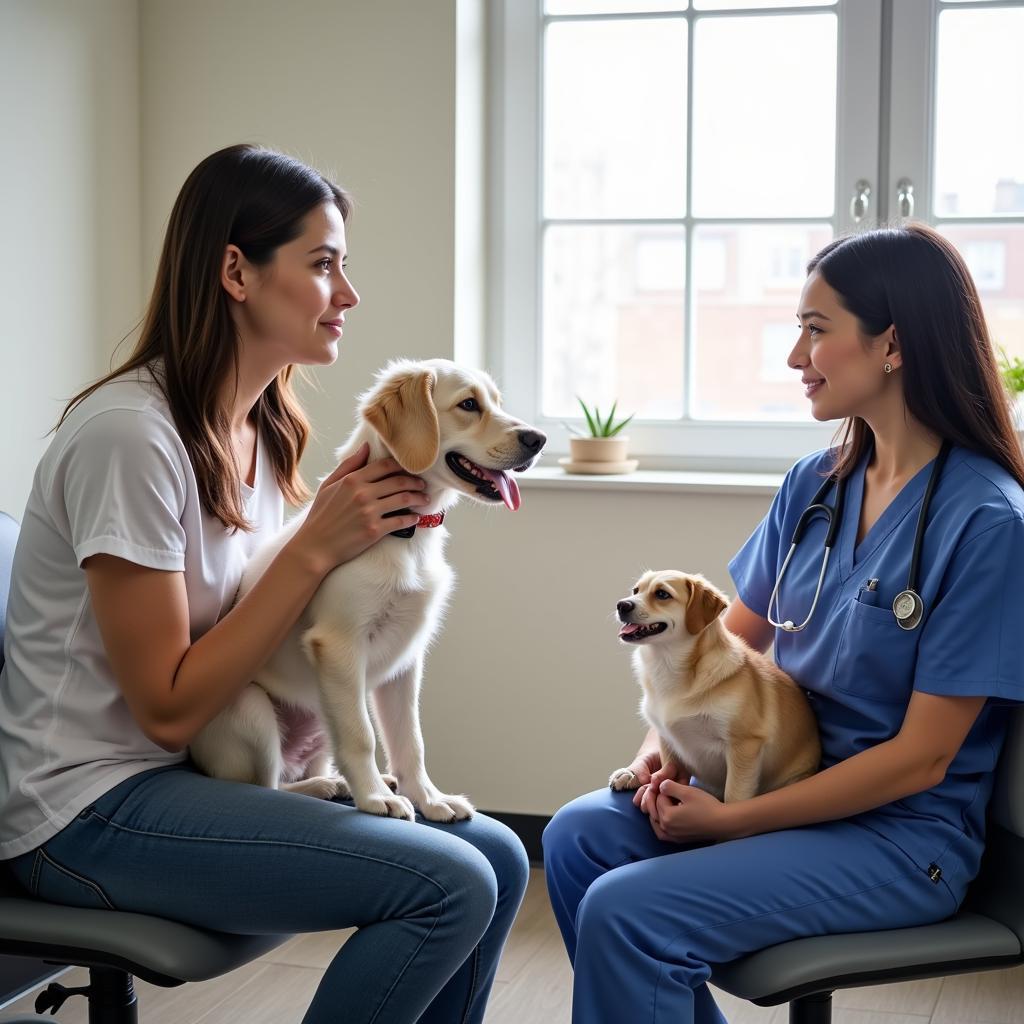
433	904
643	920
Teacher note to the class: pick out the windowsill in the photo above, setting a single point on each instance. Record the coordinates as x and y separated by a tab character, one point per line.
655	480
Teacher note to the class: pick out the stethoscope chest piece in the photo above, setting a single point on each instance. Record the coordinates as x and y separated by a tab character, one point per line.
908	608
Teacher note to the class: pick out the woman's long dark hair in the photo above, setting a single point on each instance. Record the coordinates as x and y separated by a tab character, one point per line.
913	279
256	199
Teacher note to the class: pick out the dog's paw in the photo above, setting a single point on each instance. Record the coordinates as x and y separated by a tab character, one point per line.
446	807
623	778
390	781
324	787
389	805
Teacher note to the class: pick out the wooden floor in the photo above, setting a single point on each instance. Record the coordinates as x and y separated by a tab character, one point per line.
533	987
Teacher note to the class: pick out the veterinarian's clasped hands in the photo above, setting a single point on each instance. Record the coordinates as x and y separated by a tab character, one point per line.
679	812
346	516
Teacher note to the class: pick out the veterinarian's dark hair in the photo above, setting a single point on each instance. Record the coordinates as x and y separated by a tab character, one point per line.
256	199
912	278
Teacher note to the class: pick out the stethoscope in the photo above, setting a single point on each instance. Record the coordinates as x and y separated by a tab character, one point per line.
907	606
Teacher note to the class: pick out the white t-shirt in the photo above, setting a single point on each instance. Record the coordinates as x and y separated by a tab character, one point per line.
116	479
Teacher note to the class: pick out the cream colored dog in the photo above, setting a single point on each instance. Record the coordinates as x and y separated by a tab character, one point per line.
370	622
724	712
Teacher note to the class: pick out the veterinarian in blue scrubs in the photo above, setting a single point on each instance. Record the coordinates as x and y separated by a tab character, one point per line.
123	639
890	832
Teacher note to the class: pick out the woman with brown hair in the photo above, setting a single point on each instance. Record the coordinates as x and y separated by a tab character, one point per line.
908	662
122	641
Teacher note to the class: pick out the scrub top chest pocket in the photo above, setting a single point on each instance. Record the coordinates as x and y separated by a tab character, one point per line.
875	657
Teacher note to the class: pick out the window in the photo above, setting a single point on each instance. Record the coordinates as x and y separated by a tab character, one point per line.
664	171
977	156
776	344
986	258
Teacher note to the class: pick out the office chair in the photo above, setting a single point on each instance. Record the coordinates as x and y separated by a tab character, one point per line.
986	933
114	946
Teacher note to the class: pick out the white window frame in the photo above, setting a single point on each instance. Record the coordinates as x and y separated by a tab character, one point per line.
514	233
914	46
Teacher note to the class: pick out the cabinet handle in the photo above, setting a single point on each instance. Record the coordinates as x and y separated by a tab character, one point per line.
905	197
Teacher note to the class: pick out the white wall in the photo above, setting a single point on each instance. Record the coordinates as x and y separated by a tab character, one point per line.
364	92
528	698
69	210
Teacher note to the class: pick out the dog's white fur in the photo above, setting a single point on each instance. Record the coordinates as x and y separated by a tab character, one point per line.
723	711
369	624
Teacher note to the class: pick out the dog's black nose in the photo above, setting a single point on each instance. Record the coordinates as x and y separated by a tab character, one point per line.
624	608
532	440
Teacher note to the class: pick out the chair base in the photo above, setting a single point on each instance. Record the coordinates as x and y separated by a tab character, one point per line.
110	995
813	1009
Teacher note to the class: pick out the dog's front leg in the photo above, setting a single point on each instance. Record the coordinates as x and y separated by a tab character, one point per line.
397	706
671	763
341	674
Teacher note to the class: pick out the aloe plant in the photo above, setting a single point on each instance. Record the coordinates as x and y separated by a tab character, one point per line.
599	425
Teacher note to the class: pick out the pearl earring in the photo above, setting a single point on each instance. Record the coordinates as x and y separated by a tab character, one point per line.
887	367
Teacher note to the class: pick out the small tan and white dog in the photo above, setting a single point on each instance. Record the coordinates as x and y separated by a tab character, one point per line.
368	626
724	712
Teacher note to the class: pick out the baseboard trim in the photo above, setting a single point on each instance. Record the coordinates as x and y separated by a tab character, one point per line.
529	828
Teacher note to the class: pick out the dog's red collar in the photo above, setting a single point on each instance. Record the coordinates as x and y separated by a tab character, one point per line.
427	521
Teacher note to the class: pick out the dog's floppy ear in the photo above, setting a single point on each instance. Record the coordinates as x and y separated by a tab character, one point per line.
401	409
704	606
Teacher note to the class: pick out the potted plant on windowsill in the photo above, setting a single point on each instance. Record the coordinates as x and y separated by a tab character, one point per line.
605	449
1013	377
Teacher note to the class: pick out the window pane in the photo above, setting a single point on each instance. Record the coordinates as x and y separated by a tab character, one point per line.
979	111
612	6
613	319
606	84
994	253
764	142
727	5
745	318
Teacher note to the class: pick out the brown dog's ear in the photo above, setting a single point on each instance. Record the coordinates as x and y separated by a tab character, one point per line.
401	409
704	606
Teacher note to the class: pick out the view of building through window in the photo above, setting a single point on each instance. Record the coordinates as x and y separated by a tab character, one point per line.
619	215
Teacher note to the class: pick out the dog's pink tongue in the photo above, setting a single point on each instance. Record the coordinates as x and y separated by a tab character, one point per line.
507	487
629	627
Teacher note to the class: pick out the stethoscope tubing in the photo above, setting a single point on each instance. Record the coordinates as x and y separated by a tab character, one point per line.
933	479
908	608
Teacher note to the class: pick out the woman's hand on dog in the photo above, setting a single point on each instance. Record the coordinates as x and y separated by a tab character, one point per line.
347	514
645	796
684	814
643	766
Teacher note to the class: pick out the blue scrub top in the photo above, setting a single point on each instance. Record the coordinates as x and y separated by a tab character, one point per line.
859	667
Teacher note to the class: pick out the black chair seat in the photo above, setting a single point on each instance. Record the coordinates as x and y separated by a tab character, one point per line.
966	942
161	952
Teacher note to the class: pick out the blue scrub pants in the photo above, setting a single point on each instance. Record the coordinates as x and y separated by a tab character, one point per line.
642	919
433	904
